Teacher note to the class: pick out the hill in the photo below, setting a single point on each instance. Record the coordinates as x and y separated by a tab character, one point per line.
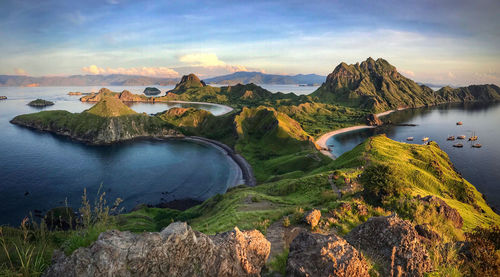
108	121
85	80
245	77
376	85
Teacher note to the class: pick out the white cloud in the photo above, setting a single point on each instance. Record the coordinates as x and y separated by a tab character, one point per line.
407	73
161	71
201	59
20	71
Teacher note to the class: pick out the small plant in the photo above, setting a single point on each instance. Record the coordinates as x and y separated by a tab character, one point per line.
278	263
263	225
286	221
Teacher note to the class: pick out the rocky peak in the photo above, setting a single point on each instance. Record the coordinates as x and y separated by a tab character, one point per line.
188	81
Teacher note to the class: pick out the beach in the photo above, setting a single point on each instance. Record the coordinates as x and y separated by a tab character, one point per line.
321	141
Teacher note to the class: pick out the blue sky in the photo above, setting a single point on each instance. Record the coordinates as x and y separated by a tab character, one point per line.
446	42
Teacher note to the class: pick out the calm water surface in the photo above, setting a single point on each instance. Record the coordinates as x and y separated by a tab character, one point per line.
480	166
40	170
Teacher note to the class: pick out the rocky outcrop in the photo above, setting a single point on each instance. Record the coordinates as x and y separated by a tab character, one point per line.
320	255
40	103
312	218
373	120
175	251
444	210
151	91
74	93
394	244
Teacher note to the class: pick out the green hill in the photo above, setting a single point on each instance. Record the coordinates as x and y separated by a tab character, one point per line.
376	85
110	106
187	82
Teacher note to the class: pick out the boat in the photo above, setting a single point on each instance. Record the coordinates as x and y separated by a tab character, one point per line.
460	123
477	145
425	139
451	138
409	138
459	145
473	137
461	137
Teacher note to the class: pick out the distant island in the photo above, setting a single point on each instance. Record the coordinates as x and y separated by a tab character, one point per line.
40	103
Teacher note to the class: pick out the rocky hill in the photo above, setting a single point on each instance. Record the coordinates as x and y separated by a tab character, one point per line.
245	77
106	122
376	85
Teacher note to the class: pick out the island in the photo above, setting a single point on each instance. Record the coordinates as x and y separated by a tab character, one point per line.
151	91
384	208
40	103
74	93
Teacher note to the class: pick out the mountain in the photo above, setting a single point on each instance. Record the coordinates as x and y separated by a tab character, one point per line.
187	82
376	85
110	107
244	77
85	80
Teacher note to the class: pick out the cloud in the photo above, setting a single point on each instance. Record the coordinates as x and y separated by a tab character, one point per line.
201	59
161	71
20	71
407	73
208	64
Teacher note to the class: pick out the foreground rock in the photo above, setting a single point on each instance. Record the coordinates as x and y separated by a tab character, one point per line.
394	244
151	91
40	103
175	251
444	210
312	218
320	255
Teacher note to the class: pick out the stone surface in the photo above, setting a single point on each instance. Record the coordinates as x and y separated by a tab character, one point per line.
373	120
444	210
425	231
312	218
175	251
394	244
320	255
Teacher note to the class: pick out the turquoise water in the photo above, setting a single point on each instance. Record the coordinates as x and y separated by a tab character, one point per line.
480	166
39	171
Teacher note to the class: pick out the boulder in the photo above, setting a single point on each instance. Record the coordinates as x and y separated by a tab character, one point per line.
444	210
320	255
312	218
394	244
373	120
175	251
151	91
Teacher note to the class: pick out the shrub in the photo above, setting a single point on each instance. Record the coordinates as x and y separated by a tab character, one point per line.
483	257
381	183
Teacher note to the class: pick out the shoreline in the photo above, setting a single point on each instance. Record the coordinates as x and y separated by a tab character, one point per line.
321	141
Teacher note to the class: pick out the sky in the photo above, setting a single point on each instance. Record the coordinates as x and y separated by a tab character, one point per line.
453	42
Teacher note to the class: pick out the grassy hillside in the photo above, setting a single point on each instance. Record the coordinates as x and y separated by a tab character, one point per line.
110	107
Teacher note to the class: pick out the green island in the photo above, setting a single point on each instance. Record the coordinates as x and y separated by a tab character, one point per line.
40	103
394	209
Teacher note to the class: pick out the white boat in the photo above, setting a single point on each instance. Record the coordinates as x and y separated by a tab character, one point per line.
409	138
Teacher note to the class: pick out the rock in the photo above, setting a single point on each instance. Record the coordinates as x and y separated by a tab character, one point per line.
312	218
3	97
175	251
373	120
425	231
444	210
320	255
151	91
74	93
394	244
40	103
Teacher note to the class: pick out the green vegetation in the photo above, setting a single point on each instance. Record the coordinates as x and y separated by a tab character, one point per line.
40	103
110	107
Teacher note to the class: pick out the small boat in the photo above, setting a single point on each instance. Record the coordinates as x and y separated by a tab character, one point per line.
425	139
409	138
461	137
451	138
477	145
460	123
459	145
